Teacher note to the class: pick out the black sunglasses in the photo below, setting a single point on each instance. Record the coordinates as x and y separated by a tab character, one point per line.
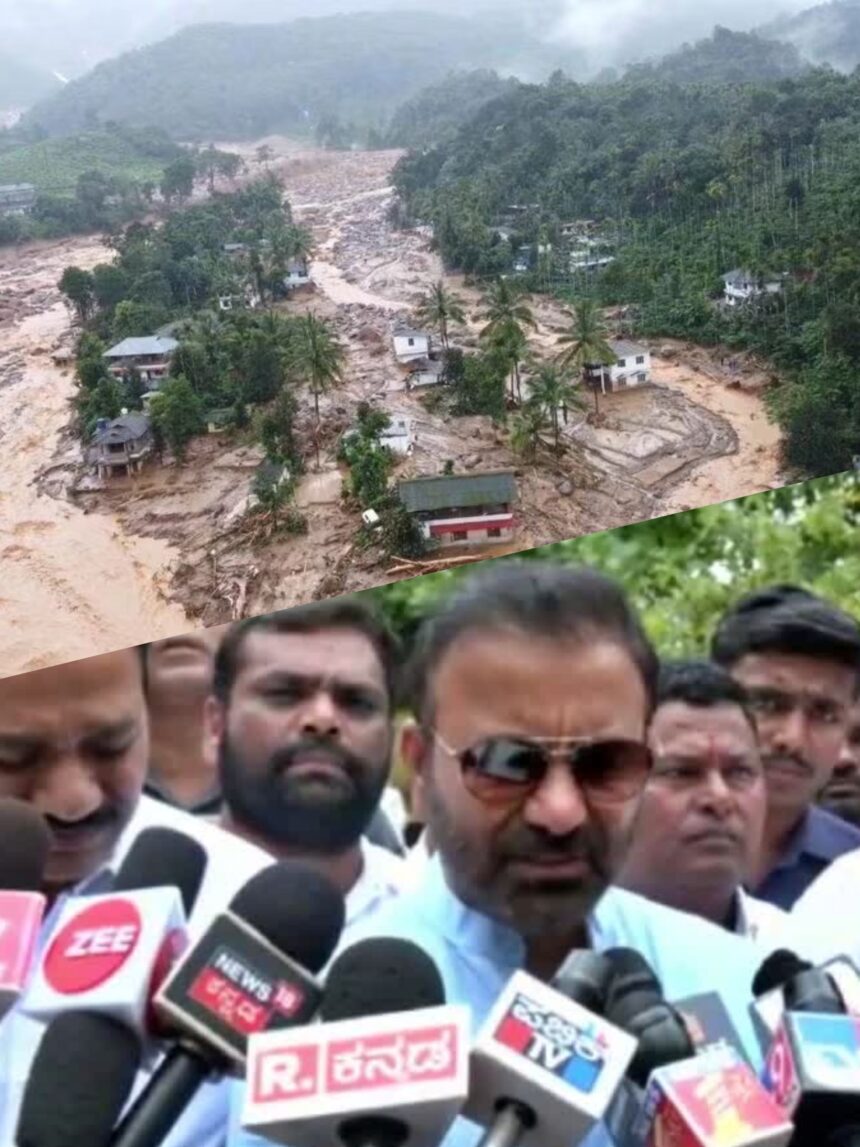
508	769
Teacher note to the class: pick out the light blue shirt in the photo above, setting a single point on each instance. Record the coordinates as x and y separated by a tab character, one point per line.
476	957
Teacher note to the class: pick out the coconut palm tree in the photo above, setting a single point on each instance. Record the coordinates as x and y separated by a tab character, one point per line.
552	393
586	343
317	358
507	316
440	307
526	431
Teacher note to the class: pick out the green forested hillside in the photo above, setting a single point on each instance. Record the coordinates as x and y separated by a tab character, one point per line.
436	113
231	81
726	57
688	183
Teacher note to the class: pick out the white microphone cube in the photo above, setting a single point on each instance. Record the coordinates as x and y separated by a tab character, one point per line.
108	954
304	1084
540	1049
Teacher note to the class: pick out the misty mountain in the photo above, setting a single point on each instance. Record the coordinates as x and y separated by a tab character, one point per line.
828	34
73	36
727	57
235	81
21	84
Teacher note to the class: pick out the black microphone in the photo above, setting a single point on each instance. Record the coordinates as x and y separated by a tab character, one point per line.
635	1003
80	1080
252	971
164	858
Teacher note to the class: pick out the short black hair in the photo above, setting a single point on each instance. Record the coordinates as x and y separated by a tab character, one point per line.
699	683
537	598
335	613
787	619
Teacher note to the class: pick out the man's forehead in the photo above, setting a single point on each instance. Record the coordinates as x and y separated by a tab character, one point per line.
694	728
93	692
339	653
814	676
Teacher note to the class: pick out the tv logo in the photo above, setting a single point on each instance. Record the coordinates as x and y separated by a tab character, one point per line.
93	946
574	1054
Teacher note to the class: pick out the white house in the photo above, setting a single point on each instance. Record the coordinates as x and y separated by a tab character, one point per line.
632	367
426	372
298	274
398	436
741	286
411	345
462	509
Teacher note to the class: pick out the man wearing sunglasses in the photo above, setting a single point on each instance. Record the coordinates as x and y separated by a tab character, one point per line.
532	688
698	833
798	658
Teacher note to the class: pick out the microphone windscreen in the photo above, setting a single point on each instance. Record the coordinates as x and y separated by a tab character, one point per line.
80	1081
380	976
164	858
297	910
585	977
25	840
634	986
780	967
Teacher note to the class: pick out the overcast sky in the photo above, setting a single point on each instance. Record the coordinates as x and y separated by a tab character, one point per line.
75	33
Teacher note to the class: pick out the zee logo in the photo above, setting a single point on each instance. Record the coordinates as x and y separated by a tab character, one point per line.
93	946
573	1054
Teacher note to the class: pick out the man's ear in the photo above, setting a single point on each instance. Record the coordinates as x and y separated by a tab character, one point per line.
415	753
214	726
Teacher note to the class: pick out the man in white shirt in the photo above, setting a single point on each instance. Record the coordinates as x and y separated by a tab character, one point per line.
302	720
74	742
699	828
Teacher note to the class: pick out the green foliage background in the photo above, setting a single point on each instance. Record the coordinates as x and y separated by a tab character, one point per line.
683	571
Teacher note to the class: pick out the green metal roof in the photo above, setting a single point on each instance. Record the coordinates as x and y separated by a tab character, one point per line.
447	490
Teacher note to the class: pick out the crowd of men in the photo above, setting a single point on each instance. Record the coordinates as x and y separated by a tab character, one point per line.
567	789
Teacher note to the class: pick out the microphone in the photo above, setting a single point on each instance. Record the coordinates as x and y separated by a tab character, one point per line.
80	1079
388	1043
811	989
251	971
544	1067
108	954
25	841
704	1098
813	1064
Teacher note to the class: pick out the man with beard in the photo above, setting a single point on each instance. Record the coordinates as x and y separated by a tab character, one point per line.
798	659
532	687
841	794
700	823
74	743
301	718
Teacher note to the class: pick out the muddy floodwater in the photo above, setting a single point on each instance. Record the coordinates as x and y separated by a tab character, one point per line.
165	551
70	582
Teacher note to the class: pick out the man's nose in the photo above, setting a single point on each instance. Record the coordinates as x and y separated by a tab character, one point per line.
320	715
792	732
558	806
68	789
714	793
